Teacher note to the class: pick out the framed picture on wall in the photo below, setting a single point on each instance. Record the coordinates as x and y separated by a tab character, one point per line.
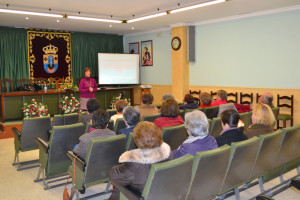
134	48
147	53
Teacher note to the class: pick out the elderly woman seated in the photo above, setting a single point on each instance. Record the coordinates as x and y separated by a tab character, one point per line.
131	117
146	107
197	126
231	132
188	103
263	120
135	164
169	114
205	100
120	105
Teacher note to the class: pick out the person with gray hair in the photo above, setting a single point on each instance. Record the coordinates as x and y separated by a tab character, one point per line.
131	117
197	127
167	96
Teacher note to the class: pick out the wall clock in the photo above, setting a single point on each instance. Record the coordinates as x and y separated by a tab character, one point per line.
176	43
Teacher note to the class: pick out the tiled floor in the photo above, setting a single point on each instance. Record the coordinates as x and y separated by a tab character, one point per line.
20	185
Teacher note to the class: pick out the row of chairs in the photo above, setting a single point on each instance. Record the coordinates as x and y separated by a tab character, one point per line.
217	172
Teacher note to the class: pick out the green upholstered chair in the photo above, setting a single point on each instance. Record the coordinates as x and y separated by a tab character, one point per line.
215	127
150	118
209	169
174	135
119	124
285	103
241	162
24	140
181	113
102	155
161	182
191	110
58	120
71	118
211	112
53	155
130	143
245	117
111	112
276	112
111	124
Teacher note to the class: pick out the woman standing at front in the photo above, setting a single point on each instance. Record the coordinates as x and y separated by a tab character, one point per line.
87	88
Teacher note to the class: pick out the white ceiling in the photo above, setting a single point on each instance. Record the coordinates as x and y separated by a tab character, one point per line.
124	10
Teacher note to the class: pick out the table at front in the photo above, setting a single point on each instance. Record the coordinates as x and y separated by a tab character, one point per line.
12	102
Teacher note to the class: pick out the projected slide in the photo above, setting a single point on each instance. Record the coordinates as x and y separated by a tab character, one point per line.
118	68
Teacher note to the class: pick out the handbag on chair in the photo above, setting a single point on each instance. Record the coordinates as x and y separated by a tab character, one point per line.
66	195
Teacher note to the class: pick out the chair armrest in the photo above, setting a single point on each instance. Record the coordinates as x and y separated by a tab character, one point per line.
42	144
128	192
16	132
78	161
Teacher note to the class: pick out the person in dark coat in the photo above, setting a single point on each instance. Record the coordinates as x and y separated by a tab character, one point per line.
188	103
131	117
197	126
135	164
263	120
91	105
231	132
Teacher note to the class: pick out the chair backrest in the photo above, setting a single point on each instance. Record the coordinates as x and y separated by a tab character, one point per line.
181	113
241	162
150	118
191	110
289	143
211	112
248	96
257	97
102	155
203	184
130	143
161	182
111	124
245	117
23	81
62	140
287	103
226	106
6	85
111	112
58	120
212	94
215	127
39	81
196	95
234	98
71	118
174	135
33	128
269	146
119	124
276	112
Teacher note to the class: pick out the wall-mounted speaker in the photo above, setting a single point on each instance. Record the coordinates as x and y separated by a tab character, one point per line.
191	44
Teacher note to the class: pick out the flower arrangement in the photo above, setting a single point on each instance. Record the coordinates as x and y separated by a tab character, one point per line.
34	109
67	87
69	104
117	98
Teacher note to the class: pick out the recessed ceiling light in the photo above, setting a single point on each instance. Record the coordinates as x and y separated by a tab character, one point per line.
27	18
57	20
110	25
132	27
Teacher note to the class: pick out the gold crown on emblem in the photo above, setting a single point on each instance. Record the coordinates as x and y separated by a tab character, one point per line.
50	49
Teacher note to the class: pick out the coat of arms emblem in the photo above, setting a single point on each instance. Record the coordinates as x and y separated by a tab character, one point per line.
50	59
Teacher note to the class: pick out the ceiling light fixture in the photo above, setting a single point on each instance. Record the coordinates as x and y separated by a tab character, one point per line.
29	13
147	17
196	6
95	19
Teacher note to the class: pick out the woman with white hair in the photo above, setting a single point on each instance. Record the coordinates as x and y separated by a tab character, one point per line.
197	126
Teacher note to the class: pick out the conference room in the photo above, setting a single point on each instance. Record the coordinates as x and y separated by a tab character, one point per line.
49	49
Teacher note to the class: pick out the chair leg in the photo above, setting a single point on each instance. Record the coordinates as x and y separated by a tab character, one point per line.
39	173
261	185
108	186
44	181
237	193
281	178
284	124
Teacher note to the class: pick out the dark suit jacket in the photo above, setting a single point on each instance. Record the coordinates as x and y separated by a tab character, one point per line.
232	135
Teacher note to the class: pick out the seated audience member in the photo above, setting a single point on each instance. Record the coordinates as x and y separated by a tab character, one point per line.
120	105
221	98
169	114
100	121
224	107
266	98
188	103
263	120
131	117
135	164
231	132
205	100
197	126
91	105
146	107
167	96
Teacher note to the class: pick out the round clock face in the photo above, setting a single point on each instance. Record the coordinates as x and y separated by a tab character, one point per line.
176	43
